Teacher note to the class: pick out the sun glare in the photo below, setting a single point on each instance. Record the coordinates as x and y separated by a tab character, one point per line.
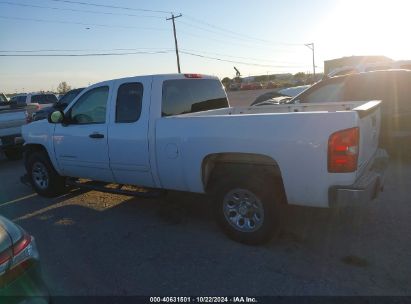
365	28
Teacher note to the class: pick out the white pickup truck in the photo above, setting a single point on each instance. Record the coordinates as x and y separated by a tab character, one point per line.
12	117
178	132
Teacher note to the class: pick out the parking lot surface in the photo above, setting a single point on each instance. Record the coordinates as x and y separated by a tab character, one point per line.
93	243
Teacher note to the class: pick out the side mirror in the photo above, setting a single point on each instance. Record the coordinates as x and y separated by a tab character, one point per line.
56	117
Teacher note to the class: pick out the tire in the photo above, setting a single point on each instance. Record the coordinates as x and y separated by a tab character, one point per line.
42	175
13	153
250	201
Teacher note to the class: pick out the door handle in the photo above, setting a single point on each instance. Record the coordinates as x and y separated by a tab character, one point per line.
96	135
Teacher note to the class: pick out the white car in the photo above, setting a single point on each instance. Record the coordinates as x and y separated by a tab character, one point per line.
42	100
178	132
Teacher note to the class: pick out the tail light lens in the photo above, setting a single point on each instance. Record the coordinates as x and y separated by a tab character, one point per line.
29	118
21	244
343	150
21	251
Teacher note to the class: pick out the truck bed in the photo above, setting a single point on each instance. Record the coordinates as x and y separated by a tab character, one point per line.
288	134
11	121
292	108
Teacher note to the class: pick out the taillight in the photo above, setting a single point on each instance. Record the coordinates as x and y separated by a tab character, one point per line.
21	244
343	150
29	118
14	255
193	76
5	256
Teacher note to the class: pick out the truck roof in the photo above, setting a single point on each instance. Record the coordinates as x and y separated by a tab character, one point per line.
164	76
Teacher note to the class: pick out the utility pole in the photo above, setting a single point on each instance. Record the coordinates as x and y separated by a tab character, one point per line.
311	47
175	39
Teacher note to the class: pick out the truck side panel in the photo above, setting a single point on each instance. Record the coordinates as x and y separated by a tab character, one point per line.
298	142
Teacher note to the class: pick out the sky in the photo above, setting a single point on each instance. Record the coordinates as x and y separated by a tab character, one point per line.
258	37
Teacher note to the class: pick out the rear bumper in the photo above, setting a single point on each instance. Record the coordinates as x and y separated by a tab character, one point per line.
366	188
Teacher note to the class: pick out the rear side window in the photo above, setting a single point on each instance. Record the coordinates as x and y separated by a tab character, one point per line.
182	96
20	100
129	101
44	98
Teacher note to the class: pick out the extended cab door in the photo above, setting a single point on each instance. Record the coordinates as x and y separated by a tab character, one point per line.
80	143
128	132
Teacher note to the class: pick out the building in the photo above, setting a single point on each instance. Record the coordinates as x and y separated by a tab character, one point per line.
353	61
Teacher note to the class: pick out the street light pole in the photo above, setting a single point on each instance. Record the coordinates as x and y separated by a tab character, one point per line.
311	47
175	39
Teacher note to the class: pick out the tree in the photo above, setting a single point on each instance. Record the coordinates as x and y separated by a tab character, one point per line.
300	76
226	81
63	88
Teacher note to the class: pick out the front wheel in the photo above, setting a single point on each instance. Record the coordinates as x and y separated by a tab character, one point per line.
246	210
43	177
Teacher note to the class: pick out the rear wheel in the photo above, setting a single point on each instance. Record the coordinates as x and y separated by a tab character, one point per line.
43	177
13	153
246	208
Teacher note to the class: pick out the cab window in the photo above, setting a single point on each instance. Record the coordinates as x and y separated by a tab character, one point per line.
90	108
128	104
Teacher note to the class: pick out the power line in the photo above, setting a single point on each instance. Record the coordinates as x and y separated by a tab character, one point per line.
81	23
238	62
84	55
113	6
239	34
150	53
233	56
81	50
78	10
225	42
139	49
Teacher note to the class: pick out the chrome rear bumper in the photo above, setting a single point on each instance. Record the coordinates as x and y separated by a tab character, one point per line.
366	188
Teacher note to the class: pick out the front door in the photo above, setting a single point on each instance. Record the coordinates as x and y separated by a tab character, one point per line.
80	143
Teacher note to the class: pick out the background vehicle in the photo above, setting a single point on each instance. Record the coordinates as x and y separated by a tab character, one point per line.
12	117
393	87
370	67
3	98
62	103
178	132
251	86
279	96
20	273
40	99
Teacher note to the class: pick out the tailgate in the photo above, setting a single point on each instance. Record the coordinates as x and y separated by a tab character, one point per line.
11	122
369	122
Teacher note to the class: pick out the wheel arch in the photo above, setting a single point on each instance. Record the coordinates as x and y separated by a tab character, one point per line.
214	166
31	148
